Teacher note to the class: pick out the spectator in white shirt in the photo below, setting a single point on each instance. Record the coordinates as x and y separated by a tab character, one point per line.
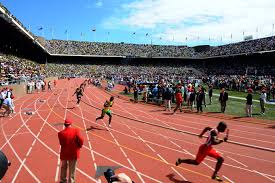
8	106
263	101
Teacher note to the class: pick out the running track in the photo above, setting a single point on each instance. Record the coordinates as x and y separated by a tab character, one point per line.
147	153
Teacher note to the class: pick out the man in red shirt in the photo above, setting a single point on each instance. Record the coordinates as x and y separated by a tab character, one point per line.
178	100
71	141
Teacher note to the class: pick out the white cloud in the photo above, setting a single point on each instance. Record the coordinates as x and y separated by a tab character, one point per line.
99	3
203	18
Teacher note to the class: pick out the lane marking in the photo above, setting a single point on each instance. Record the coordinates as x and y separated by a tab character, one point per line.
162	159
228	179
237	161
264	175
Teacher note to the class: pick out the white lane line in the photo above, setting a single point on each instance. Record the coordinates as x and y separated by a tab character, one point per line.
18	134
28	153
241	168
123	152
150	147
135	133
116	142
33	142
23	162
110	133
237	161
162	159
175	144
95	166
249	157
228	179
264	175
20	160
140	137
178	174
105	157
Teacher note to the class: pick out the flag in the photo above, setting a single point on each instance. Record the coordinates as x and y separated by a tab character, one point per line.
147	34
134	33
231	36
40	28
93	30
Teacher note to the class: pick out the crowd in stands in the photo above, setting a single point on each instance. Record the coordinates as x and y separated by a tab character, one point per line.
245	47
117	49
15	69
147	50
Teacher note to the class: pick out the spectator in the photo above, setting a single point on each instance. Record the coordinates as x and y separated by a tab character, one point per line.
199	99
249	103
135	94
210	94
8	106
263	101
223	99
273	91
178	100
167	96
71	141
49	86
192	98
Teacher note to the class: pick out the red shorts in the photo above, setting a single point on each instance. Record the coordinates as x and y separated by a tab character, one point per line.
204	151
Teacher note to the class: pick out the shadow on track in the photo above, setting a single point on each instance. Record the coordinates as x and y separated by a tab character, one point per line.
95	128
171	178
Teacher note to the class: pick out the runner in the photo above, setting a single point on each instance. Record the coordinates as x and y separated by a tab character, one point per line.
78	92
106	110
206	149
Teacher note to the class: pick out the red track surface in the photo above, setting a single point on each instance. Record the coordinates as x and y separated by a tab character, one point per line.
146	153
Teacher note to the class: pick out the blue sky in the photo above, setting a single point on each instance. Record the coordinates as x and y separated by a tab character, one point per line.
182	22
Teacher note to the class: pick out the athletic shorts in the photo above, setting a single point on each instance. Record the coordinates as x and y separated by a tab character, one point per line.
204	151
108	112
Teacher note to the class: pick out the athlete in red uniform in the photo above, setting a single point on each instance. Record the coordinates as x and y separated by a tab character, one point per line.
206	149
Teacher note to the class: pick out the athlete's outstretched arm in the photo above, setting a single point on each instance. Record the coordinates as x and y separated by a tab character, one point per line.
205	130
74	93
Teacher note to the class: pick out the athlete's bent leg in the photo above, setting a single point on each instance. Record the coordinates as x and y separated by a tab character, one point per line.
218	167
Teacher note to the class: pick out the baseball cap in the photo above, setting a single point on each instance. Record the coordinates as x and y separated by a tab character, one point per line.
68	122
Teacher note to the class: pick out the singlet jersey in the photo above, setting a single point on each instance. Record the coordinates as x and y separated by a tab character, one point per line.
211	133
106	105
78	93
